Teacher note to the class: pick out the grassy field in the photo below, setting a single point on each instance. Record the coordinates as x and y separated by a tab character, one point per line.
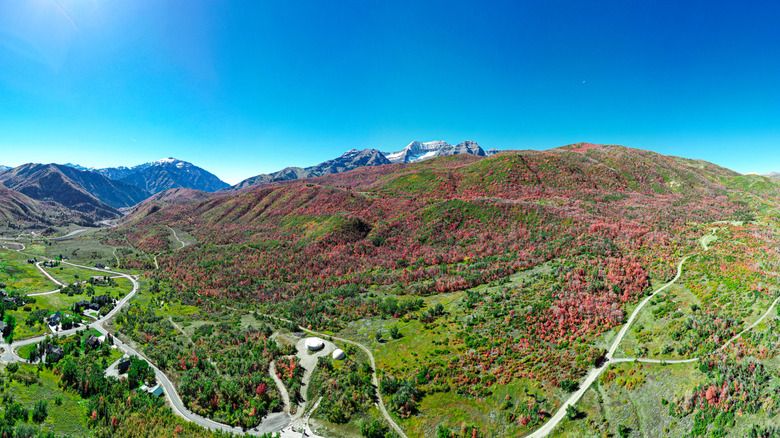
66	419
20	276
440	342
634	399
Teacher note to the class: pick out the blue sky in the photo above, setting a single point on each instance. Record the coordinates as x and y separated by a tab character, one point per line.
242	88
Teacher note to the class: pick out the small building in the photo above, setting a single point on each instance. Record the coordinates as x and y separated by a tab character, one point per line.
124	366
55	318
3	293
54	353
81	305
315	344
5	329
339	354
93	342
155	390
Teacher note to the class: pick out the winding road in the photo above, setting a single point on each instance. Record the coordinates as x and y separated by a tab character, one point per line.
281	421
597	371
176	236
274	422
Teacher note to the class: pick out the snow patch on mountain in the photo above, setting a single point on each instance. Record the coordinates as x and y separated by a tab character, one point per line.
419	151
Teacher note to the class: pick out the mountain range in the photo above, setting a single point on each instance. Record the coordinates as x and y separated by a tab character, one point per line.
348	161
413	152
419	151
160	175
86	192
92	194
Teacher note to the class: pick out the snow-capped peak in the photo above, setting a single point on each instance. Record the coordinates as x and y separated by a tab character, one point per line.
350	153
418	151
166	161
80	167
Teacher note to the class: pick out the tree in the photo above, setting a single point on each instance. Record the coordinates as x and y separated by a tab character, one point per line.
16	412
375	429
379	335
40	412
394	333
624	431
69	371
569	385
572	413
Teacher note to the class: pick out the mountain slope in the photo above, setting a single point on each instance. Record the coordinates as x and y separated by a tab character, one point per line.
165	174
86	192
18	210
398	205
349	160
157	176
171	173
179	195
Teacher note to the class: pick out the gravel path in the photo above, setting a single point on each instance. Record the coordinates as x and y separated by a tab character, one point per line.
594	373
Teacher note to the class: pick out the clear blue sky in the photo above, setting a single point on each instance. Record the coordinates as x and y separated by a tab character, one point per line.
242	88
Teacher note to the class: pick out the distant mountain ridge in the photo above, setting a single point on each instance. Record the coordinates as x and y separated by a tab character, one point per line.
351	159
419	151
414	152
79	190
160	175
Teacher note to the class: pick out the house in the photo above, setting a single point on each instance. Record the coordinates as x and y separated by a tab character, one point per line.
54	353
93	342
124	366
3	292
156	390
55	318
81	305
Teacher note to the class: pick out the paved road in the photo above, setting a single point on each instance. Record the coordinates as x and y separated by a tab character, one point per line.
49	276
71	234
272	423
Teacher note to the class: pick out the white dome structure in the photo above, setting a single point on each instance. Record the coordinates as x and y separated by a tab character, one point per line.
315	344
339	354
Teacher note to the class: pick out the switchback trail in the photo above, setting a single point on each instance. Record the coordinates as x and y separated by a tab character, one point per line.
597	371
176	236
